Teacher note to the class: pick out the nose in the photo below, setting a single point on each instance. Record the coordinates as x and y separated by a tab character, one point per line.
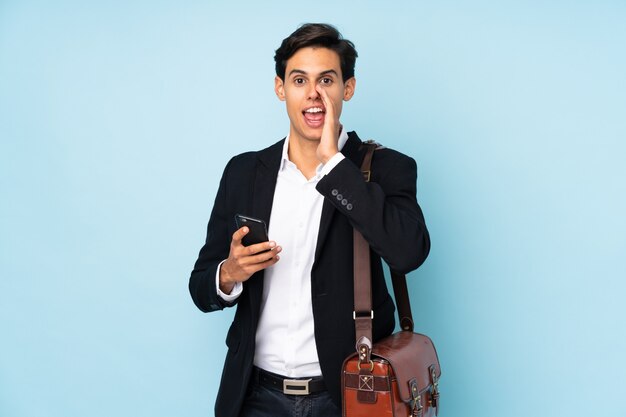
313	94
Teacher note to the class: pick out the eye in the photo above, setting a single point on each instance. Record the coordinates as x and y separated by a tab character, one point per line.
326	81
298	81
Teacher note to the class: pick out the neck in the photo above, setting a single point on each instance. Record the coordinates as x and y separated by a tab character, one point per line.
303	153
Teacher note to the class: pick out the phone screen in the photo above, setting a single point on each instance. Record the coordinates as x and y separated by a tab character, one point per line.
257	227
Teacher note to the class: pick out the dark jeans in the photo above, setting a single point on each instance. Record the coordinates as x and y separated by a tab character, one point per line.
262	401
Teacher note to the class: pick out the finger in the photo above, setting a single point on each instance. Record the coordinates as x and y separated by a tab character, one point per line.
260	247
324	96
239	234
261	265
265	256
269	262
329	118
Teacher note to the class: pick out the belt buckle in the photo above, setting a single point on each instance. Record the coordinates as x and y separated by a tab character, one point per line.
296	386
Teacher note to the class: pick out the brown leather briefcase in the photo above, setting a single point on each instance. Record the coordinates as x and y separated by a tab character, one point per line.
400	379
399	375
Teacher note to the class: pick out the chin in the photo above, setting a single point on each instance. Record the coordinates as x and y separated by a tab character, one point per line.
311	134
314	138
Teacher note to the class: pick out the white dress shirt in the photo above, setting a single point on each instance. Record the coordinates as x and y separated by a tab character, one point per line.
285	339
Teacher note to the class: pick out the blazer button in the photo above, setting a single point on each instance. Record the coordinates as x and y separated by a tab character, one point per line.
349	206
344	202
339	197
334	192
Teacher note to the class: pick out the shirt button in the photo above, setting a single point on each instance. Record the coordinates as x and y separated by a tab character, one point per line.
344	202
339	197
349	206
334	192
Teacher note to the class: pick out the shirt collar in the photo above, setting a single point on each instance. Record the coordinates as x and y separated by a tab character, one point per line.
343	138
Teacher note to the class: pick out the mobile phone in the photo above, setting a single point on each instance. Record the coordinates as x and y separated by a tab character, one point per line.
257	229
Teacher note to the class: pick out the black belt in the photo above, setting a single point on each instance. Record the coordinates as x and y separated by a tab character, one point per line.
299	386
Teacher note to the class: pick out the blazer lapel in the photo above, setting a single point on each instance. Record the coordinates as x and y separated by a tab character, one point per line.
261	199
265	181
351	150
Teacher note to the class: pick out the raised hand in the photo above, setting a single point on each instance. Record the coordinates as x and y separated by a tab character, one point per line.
327	147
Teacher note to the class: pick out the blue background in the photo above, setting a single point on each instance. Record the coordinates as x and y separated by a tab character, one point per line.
117	118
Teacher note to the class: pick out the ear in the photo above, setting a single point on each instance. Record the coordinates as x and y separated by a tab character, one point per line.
279	88
348	88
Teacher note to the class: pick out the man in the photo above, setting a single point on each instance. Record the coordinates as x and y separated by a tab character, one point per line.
294	294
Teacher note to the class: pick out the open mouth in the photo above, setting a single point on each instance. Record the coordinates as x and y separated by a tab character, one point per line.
314	116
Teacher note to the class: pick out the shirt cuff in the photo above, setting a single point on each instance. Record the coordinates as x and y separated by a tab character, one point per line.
332	162
234	294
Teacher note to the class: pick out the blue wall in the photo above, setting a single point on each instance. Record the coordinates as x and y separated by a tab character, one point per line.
117	118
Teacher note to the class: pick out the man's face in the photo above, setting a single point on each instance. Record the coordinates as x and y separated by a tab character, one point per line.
306	69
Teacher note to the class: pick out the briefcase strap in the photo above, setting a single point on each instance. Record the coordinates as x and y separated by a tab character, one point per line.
363	313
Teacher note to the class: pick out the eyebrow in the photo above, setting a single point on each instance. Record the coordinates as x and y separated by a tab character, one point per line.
299	71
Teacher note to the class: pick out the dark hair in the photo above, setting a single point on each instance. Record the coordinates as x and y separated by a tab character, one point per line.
317	34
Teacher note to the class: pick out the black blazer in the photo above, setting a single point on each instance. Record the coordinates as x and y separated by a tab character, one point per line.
384	210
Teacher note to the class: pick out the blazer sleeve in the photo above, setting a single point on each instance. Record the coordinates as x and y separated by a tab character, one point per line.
384	210
202	283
